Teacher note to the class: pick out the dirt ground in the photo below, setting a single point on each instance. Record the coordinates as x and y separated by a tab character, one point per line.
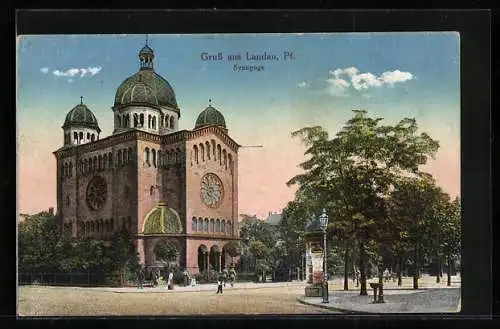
68	301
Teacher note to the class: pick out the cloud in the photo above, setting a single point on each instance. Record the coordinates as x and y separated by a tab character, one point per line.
341	80
44	70
392	77
337	87
89	71
365	81
303	84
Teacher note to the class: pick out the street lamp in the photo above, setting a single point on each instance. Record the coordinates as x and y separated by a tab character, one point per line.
323	222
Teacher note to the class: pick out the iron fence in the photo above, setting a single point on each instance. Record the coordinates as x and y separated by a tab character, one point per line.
80	279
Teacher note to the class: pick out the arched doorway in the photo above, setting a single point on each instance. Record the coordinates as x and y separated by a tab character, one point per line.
202	258
215	258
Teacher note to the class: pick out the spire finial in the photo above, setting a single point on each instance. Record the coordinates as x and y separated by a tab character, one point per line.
209	102
146	39
81	100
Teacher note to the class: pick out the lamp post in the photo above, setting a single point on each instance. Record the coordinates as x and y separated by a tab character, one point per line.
323	222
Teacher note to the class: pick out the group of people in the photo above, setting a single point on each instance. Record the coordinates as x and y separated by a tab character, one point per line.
224	277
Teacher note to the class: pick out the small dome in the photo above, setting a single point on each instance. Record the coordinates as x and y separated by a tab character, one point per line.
146	50
210	116
162	219
151	88
81	116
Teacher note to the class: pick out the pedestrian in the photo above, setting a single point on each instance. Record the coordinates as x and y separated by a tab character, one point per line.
140	278
224	277
232	276
219	285
155	278
171	281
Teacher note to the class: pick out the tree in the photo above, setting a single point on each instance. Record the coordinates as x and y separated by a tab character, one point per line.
233	249
38	238
354	172
452	234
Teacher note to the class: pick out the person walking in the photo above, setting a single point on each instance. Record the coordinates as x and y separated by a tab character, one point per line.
171	281
232	276
219	285
140	278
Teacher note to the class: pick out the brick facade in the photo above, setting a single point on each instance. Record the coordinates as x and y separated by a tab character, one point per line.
136	182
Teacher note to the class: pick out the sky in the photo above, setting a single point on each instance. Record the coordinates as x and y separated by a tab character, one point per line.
390	75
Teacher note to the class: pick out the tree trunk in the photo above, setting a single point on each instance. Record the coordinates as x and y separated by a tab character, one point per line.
448	271
362	269
400	271
381	283
415	268
438	269
346	268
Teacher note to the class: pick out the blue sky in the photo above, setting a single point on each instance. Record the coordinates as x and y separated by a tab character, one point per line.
421	79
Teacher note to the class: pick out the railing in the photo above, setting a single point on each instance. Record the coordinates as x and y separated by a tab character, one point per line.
80	279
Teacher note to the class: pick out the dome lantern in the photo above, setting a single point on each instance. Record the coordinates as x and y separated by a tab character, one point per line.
146	56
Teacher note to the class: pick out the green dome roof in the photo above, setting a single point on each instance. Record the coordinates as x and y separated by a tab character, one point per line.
146	86
210	116
162	219
81	116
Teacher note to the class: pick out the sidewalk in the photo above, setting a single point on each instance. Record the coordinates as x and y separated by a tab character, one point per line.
198	287
430	298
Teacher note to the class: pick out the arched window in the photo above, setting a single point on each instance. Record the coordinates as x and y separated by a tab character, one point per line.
75	137
225	158
125	156
141	120
67	199
85	166
153	122
100	162
110	160
136	120
149	120
80	137
207	147
178	156
196	154
154	157
217	225
205	225
94	164
151	190
200	225
167	158
118	121
98	226
212	225
71	169
146	155
194	224
129	155
160	159
223	226
171	122
228	227
162	119
92	137
119	157
213	150
104	161
219	154
88	136
202	151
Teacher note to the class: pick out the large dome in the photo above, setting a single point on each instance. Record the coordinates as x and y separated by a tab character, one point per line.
210	116
81	116
146	86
